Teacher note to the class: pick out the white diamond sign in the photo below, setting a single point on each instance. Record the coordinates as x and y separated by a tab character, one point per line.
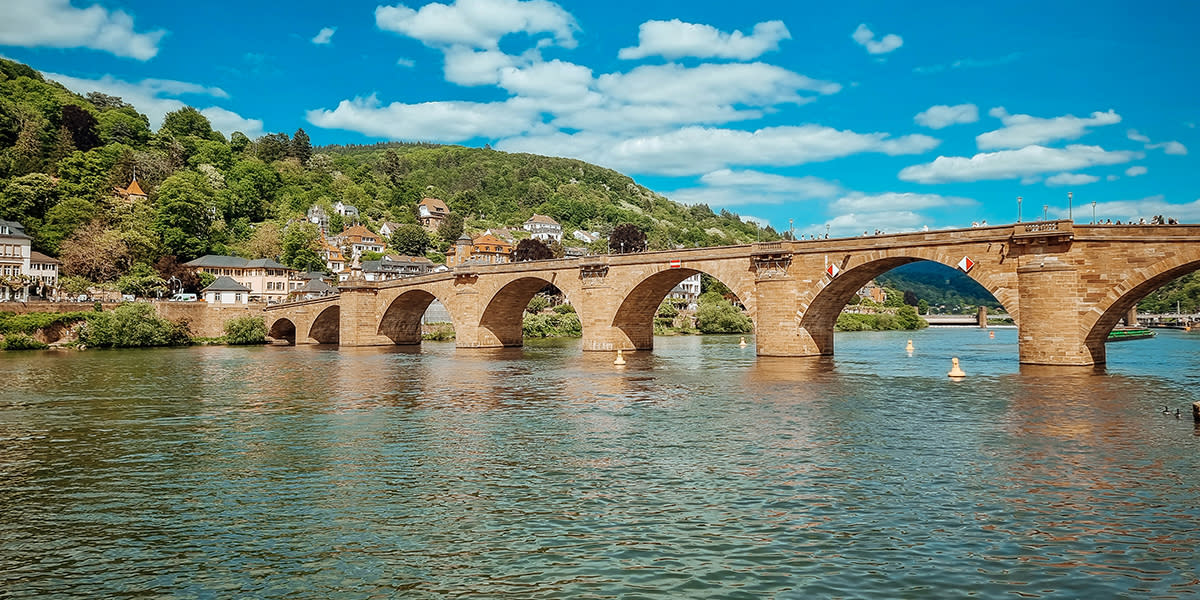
966	264
833	270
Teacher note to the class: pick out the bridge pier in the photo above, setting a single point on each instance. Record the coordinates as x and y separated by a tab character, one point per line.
1049	331
360	314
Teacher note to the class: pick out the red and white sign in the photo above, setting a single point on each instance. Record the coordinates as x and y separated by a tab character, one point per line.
966	264
833	270
676	263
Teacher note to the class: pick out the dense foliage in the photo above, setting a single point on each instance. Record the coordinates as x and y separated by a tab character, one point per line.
20	341
938	285
718	315
63	155
245	330
131	325
904	318
29	323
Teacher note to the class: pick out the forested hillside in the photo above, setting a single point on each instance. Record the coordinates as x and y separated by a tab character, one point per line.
62	156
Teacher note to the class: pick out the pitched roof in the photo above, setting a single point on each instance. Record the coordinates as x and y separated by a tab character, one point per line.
39	258
216	260
15	230
536	218
356	231
490	240
225	284
400	258
134	189
219	261
434	205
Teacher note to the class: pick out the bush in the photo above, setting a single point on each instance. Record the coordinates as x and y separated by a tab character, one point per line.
31	322
721	316
537	304
246	330
906	318
441	332
131	325
20	341
555	325
564	309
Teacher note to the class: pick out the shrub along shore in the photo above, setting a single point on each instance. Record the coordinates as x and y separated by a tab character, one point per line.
130	325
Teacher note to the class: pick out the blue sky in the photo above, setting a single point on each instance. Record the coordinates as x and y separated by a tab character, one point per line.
855	115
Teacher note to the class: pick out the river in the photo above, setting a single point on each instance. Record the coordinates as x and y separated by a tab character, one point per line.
694	471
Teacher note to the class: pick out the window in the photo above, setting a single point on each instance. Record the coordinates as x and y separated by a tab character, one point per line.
237	298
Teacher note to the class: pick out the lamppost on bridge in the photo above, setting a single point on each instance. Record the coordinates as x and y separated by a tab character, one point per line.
1018	209
827	231
1093	212
1045	211
791	230
1070	212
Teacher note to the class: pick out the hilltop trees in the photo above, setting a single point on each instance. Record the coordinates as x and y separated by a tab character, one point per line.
411	240
531	249
626	237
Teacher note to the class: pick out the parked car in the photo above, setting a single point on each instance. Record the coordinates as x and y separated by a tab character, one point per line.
183	298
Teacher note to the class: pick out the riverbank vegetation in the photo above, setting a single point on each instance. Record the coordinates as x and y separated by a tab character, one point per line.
131	325
900	318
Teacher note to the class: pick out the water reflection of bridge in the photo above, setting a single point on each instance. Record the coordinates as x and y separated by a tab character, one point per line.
1066	287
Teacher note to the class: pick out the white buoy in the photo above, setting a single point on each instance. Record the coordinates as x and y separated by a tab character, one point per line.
743	342
955	371
620	359
909	347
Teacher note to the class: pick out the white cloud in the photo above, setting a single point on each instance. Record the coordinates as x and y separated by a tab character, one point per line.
557	79
324	36
407	63
1137	137
896	201
1134	171
1011	164
1169	147
864	37
478	23
725	187
1025	130
156	97
1071	179
895	221
57	24
427	121
940	116
465	66
1112	177
693	150
755	84
228	122
1145	208
676	39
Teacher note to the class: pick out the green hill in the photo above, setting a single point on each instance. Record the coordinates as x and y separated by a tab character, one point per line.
62	155
938	285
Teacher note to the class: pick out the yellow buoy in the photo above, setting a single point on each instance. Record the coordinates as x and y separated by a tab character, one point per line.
743	342
621	359
955	372
909	347
992	334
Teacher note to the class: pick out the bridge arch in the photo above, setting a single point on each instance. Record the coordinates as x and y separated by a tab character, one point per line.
503	315
1125	295
635	315
820	314
283	329
401	321
326	328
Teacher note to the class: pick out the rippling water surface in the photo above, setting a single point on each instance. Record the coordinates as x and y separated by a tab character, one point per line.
694	471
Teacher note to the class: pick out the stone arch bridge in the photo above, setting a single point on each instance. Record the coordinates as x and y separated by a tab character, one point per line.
1065	285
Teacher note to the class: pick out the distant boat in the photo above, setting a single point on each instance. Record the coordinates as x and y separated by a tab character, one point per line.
1129	333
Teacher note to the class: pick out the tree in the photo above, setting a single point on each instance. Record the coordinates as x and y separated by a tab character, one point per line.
95	252
410	240
142	281
272	147
301	146
131	325
265	242
245	330
717	315
451	227
82	126
187	121
105	102
301	247
531	249
626	238
184	219
169	268
62	221
238	141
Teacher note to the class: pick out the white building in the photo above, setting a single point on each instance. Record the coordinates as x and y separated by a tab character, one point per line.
226	291
543	228
24	272
687	290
